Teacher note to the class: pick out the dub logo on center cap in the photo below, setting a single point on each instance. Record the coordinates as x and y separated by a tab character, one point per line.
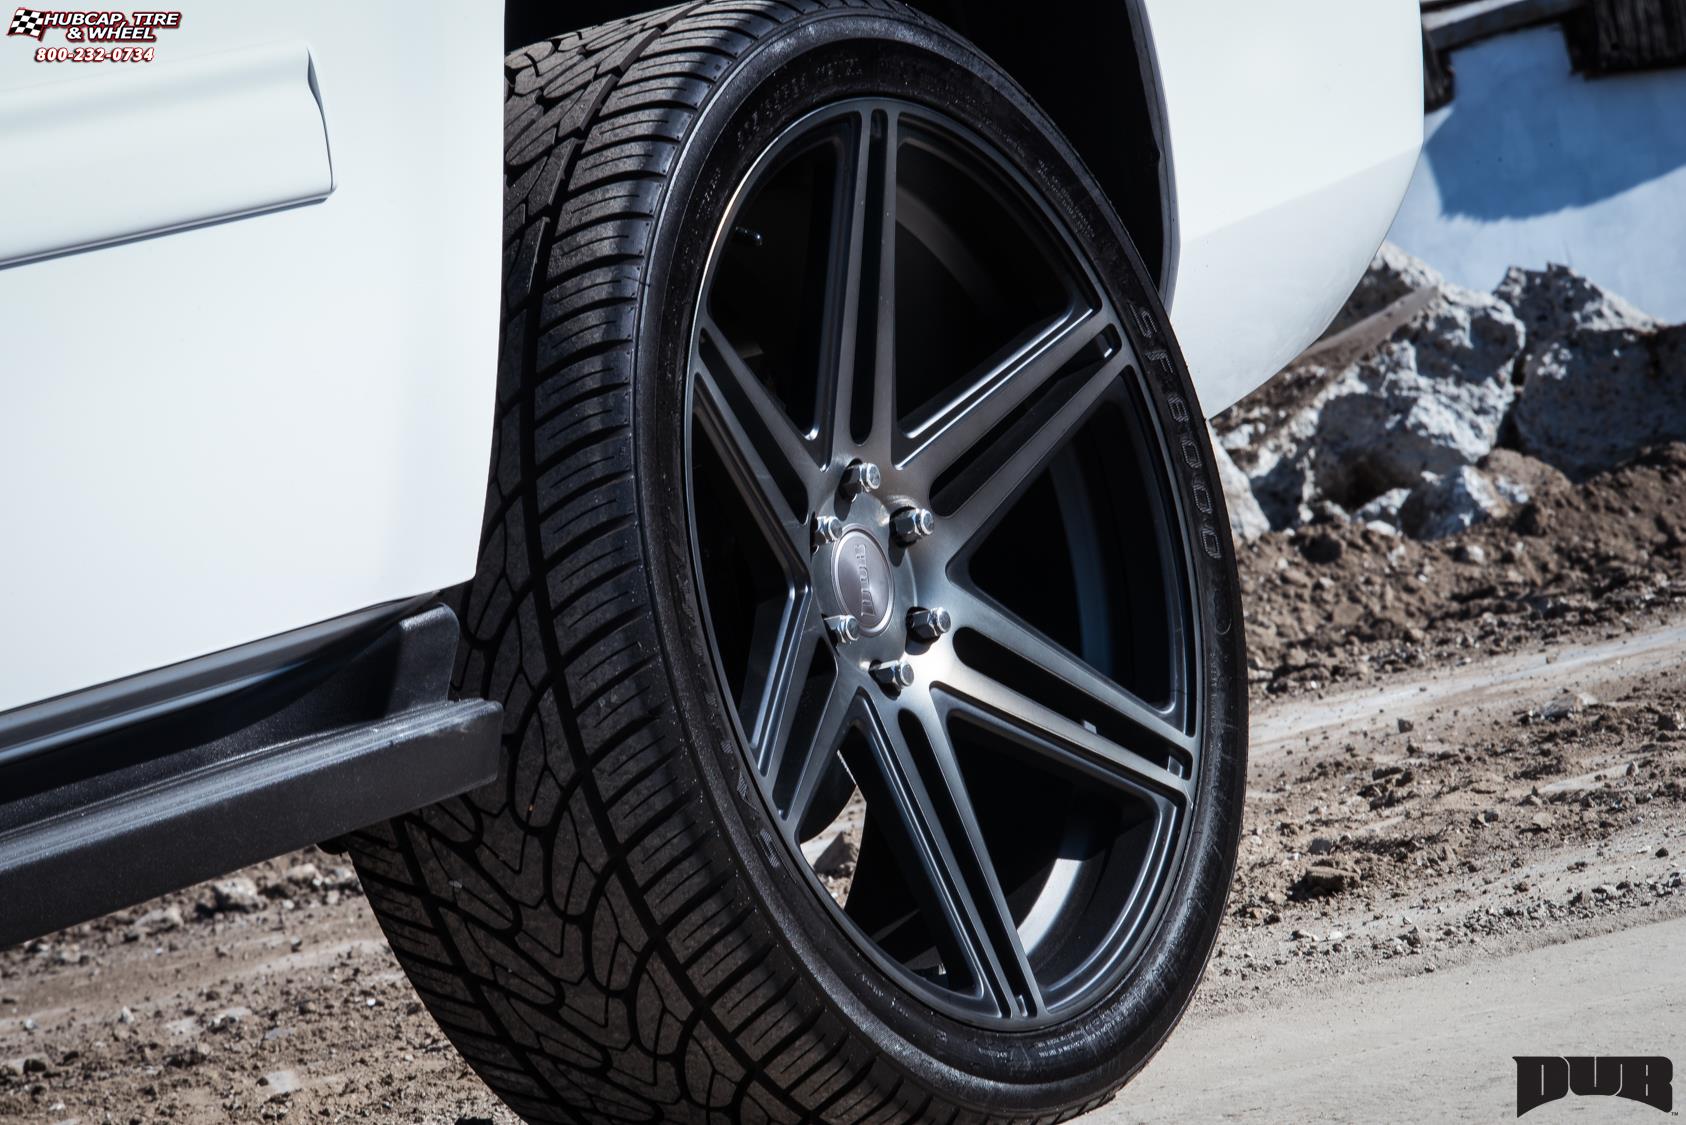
861	573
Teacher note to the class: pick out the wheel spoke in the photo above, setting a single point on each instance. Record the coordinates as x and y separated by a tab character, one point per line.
786	673
1076	742
940	846
768	461
799	767
965	424
841	330
988	901
1162	725
1051	427
861	284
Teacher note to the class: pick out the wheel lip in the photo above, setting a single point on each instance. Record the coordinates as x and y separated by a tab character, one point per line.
1175	532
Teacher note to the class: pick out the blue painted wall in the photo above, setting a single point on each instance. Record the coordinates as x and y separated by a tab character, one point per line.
1532	163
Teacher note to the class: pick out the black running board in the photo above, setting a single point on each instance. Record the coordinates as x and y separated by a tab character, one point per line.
353	741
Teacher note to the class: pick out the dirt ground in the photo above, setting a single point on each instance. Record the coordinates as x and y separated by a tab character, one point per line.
1459	748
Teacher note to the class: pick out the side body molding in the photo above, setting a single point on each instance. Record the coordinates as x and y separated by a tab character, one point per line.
148	148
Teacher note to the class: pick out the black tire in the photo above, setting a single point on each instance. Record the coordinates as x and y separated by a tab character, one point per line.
611	932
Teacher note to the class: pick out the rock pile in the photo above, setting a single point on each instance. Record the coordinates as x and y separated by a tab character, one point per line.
1429	408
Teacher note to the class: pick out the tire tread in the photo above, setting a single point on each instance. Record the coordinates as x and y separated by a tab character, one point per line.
578	931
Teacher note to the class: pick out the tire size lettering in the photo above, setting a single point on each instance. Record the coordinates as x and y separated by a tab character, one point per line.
1158	360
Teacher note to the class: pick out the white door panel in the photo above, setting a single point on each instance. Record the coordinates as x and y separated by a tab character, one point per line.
225	432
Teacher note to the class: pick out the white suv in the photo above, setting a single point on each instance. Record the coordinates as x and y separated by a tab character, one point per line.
751	590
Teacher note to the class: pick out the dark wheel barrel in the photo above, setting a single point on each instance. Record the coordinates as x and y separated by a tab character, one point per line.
858	591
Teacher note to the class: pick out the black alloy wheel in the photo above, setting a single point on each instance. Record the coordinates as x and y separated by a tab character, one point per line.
939	556
858	590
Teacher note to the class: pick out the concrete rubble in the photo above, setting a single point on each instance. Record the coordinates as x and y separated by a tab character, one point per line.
1452	502
1428	408
1601	380
1246	519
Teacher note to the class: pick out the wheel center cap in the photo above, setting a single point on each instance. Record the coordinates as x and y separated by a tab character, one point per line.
860	570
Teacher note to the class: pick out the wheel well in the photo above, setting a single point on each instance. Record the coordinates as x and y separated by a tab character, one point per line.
1081	60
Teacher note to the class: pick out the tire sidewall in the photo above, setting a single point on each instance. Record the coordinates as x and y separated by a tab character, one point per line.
814	62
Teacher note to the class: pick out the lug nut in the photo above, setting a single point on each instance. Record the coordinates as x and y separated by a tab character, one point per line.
893	673
844	629
910	525
827	529
862	476
929	624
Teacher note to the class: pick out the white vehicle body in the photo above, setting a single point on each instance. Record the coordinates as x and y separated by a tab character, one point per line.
1292	130
237	429
248	373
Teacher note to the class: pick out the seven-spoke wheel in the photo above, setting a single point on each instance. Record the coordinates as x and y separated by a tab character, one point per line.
896	349
854	588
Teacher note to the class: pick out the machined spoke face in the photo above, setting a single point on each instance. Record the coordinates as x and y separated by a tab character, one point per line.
967	424
861	276
1116	729
799	766
937	839
765	457
1046	435
945	594
789	658
1059	735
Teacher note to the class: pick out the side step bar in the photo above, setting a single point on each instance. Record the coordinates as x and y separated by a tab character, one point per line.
356	737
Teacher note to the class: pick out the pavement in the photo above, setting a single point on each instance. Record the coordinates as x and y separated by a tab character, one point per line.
1435	1048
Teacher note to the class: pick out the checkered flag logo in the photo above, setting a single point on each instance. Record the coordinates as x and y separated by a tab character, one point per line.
27	21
